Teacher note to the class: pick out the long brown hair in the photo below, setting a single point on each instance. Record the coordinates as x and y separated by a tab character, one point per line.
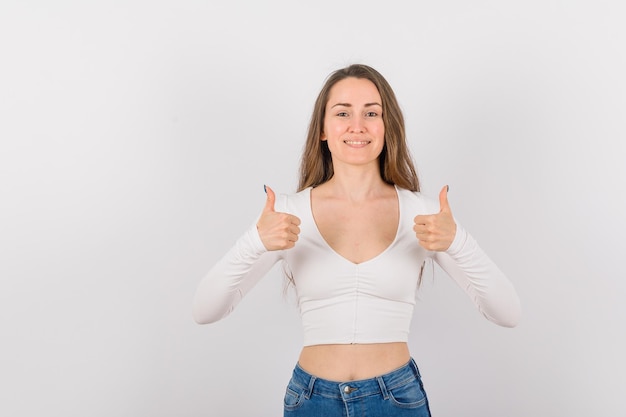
396	164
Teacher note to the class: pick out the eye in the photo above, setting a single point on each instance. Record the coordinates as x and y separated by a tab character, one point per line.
342	114
371	114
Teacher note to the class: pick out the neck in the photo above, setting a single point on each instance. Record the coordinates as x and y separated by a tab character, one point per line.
356	183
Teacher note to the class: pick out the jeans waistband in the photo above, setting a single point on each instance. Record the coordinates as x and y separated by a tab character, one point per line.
355	389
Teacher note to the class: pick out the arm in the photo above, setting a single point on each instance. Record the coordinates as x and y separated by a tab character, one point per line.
459	255
481	279
245	264
232	277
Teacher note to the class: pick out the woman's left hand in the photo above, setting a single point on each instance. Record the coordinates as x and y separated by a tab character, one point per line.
436	231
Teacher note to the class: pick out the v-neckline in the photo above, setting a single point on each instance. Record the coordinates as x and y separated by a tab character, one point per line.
327	245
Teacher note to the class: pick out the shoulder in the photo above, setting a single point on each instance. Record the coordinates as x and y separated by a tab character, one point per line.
293	203
417	202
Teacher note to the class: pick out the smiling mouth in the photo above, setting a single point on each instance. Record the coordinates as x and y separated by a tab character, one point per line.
356	142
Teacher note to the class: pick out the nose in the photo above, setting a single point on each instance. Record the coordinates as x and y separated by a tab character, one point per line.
357	125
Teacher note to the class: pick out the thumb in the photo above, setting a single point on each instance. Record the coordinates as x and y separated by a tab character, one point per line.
271	199
444	206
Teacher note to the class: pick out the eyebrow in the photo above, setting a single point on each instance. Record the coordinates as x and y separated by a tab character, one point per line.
350	105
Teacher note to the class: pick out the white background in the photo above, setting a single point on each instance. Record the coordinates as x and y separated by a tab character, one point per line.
136	137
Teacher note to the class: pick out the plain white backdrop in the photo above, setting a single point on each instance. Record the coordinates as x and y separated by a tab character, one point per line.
135	139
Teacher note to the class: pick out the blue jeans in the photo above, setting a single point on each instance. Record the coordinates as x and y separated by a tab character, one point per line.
398	393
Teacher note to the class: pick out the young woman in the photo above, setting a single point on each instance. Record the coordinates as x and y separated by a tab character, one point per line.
353	241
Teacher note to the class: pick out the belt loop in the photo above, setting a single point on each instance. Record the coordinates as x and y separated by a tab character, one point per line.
383	388
309	390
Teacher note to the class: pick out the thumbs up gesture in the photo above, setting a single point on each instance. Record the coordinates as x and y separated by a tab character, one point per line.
436	231
277	230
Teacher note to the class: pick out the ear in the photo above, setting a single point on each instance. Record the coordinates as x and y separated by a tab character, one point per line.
323	136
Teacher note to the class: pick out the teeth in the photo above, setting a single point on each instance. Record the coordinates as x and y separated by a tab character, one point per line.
356	142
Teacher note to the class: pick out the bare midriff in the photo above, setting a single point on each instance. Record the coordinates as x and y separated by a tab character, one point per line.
354	362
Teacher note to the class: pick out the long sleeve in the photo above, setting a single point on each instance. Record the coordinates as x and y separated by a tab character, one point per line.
482	280
232	277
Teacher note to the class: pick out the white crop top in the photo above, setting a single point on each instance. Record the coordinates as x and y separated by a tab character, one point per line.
341	302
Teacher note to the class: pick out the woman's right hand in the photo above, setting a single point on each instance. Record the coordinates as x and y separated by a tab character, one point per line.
277	230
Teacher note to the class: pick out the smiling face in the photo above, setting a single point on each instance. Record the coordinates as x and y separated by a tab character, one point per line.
353	122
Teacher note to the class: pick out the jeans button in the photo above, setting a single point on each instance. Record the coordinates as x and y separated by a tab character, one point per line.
348	390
